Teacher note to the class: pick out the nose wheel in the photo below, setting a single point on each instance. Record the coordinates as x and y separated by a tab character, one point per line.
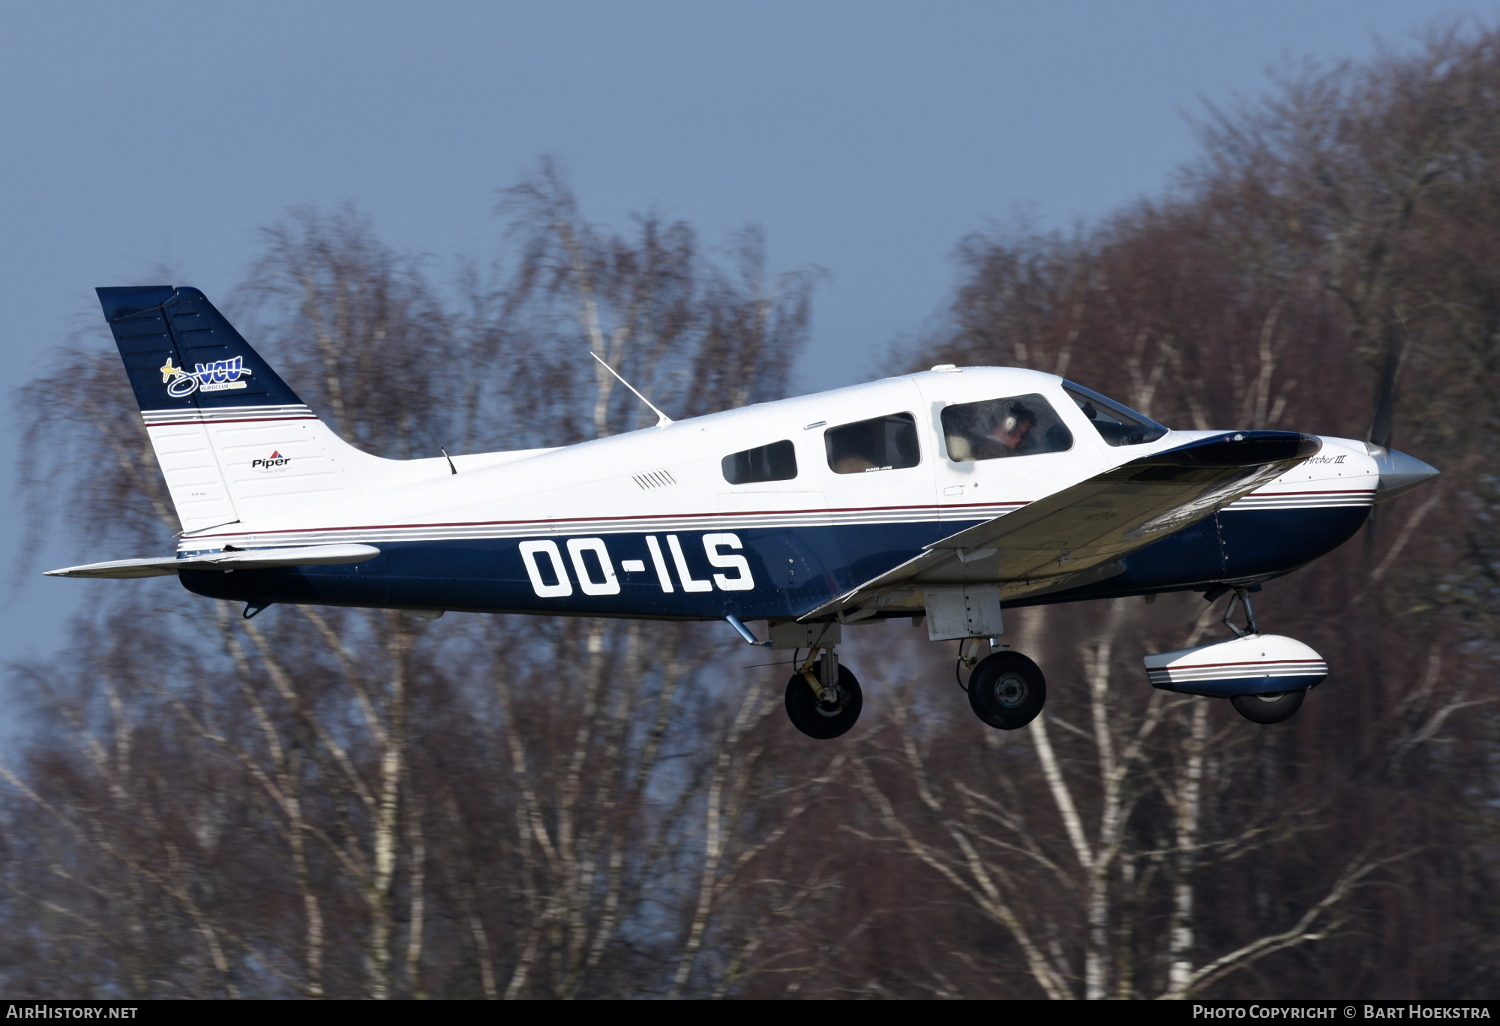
1269	708
821	710
1007	690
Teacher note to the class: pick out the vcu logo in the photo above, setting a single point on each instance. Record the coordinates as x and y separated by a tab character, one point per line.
216	376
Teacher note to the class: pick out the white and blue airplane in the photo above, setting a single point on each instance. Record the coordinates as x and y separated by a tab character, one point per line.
941	496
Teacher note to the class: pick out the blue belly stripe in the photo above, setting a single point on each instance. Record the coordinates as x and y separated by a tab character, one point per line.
795	568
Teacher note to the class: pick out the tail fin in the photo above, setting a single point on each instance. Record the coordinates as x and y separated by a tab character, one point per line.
234	442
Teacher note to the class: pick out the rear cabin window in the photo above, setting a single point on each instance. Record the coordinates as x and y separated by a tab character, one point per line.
1116	424
1023	425
882	443
774	462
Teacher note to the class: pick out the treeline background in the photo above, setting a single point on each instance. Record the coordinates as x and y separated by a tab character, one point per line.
343	803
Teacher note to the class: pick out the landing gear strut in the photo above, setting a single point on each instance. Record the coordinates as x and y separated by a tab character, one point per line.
816	708
1241	597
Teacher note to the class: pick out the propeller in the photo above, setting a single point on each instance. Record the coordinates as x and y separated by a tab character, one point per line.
1397	342
1378	440
1398	472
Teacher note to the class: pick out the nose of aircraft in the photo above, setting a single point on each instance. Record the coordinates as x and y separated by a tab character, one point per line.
1398	472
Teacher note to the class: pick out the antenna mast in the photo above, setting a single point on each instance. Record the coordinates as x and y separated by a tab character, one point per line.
662	420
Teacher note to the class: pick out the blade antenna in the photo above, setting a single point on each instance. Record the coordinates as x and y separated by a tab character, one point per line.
662	420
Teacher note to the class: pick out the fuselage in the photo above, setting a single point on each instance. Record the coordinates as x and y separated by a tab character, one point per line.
652	523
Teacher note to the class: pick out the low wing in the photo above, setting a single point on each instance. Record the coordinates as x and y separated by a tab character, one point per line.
1075	536
252	559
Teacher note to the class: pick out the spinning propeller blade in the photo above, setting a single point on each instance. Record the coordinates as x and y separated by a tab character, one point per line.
1396	344
1398	471
1382	422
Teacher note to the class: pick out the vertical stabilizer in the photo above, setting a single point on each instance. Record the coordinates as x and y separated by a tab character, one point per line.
234	442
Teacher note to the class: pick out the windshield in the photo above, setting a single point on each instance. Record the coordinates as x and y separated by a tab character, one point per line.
1116	424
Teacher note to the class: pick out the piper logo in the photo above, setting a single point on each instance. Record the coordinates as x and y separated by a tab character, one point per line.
271	462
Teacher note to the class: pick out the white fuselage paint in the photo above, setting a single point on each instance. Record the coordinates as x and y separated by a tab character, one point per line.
667	482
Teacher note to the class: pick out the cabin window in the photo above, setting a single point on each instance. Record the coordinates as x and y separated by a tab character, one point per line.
1116	424
774	462
882	443
1023	425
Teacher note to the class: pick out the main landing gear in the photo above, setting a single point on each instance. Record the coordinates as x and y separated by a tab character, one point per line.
820	709
1006	689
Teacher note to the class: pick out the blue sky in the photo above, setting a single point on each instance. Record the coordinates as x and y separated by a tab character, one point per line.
865	138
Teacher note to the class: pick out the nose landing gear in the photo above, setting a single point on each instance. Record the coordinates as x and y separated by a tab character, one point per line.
1272	708
1264	676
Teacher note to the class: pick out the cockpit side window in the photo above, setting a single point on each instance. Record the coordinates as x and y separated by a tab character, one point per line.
1023	425
774	462
1116	424
882	443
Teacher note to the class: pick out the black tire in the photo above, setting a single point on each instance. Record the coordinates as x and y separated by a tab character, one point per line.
816	719
1007	690
1269	708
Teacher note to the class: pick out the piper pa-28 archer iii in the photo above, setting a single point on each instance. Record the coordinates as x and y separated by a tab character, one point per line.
942	496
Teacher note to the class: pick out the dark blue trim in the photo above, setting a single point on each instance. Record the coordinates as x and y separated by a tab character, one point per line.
155	323
1241	546
1260	685
795	570
1236	449
1258	542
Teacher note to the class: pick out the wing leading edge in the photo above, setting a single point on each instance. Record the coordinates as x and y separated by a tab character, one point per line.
1072	537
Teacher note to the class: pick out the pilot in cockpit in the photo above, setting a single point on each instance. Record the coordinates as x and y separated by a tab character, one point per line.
995	428
992	430
1012	429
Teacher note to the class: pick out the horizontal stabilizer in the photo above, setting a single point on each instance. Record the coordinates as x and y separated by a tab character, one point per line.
252	559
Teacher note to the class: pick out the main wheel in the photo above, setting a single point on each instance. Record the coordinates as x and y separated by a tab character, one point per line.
1269	708
1007	690
820	719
